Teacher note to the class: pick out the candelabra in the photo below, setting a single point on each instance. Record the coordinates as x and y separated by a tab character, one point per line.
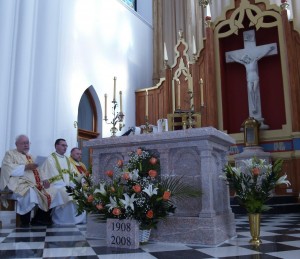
190	120
117	118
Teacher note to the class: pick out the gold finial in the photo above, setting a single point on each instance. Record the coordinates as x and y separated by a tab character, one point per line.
204	3
208	21
284	5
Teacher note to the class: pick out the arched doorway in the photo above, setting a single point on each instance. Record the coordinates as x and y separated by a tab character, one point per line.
87	123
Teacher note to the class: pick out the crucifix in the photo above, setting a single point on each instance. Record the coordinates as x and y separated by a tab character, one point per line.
249	57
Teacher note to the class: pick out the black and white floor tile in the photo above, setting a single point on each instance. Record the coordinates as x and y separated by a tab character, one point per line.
280	235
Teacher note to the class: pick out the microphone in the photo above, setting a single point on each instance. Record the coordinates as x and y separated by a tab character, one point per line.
128	132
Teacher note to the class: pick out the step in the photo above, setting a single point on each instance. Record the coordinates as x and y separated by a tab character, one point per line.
278	204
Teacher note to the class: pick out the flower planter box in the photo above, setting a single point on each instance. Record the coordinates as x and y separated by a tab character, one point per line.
122	233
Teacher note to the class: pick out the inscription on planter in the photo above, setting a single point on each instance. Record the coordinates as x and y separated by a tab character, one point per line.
122	233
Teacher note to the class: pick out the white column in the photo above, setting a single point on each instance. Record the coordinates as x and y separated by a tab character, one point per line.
50	100
7	30
22	67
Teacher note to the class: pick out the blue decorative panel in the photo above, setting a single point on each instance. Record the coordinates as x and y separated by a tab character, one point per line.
296	142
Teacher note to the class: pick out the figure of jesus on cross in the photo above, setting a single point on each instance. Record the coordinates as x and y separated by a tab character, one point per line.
249	57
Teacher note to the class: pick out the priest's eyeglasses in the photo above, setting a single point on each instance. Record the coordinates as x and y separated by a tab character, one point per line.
25	143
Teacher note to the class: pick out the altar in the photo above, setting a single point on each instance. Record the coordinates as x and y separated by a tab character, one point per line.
198	155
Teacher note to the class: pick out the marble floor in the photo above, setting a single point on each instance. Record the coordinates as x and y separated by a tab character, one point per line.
280	235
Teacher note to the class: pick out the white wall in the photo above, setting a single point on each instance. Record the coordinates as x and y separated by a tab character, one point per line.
52	51
144	9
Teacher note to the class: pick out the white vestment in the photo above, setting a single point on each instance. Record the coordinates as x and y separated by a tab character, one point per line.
25	184
59	173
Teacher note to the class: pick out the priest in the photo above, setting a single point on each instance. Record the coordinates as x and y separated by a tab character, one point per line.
75	159
57	172
20	174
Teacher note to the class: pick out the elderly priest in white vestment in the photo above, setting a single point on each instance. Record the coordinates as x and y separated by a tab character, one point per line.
58	171
20	174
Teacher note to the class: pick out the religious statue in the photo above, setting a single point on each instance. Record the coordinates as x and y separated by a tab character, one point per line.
252	77
249	57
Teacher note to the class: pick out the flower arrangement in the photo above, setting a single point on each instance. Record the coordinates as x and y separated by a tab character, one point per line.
132	190
254	181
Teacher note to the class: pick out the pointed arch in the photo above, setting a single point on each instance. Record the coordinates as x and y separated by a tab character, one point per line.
88	121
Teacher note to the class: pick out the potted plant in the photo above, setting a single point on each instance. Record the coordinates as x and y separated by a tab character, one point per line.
133	190
253	182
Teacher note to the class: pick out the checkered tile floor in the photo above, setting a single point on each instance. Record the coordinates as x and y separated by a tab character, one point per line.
280	235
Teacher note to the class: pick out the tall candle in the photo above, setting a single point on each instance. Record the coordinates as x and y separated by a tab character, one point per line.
201	91
208	13
165	52
120	101
114	97
105	106
194	46
178	92
146	103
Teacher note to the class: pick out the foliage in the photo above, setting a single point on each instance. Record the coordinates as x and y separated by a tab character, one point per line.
254	181
132	191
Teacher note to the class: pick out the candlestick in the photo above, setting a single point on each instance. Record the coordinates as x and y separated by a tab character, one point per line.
191	99
105	106
178	92
114	97
194	46
201	91
146	103
118	117
165	52
120	101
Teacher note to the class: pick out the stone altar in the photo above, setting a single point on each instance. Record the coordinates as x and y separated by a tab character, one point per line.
199	155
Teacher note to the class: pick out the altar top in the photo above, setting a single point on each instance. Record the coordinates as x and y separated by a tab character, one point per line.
195	134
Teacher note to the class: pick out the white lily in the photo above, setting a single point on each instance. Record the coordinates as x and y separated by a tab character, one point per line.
128	201
237	171
112	204
283	180
101	189
150	191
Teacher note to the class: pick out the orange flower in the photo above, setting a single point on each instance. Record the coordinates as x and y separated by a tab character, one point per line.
153	161
90	198
166	195
255	171
126	176
120	163
116	211
109	173
152	173
149	214
137	188
99	206
139	151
